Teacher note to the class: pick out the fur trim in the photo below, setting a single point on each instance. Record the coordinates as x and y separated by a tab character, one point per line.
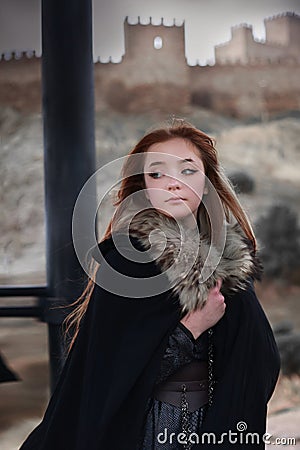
191	264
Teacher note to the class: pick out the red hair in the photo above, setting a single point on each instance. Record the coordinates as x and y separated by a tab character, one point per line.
133	183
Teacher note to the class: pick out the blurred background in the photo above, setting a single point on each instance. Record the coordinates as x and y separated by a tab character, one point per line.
231	68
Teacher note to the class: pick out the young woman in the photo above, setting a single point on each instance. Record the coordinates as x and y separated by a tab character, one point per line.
171	347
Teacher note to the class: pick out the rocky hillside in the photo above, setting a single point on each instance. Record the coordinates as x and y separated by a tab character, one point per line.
269	152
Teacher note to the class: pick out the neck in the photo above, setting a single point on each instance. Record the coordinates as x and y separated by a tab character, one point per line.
189	222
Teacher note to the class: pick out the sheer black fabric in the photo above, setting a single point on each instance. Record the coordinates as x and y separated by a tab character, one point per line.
163	420
182	349
164	427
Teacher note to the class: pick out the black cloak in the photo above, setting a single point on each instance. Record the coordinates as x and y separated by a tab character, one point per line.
99	402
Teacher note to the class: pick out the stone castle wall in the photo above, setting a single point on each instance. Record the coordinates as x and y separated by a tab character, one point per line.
244	49
20	83
142	61
284	30
282	42
150	78
247	91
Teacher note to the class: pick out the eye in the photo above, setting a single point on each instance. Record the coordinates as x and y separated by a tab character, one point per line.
155	175
188	171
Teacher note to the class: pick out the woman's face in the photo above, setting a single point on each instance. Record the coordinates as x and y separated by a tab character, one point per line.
174	178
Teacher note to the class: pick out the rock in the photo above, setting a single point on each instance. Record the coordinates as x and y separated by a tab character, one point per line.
285	426
242	182
283	327
288	342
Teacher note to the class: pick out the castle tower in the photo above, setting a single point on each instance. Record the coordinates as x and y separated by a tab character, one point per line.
236	50
153	75
284	30
155	53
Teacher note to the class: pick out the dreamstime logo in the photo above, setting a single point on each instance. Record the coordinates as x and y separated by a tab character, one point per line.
241	436
104	183
241	426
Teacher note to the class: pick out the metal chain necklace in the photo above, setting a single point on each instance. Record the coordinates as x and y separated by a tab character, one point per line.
186	426
211	380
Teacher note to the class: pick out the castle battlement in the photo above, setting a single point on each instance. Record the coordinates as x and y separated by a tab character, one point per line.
248	75
152	21
242	25
282	42
18	54
285	14
109	60
164	40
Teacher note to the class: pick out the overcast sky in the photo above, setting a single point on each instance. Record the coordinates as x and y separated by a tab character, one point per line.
207	22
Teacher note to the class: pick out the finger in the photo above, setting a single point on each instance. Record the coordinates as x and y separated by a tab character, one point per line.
218	284
221	297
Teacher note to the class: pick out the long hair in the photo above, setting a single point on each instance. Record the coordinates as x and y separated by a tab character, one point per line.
133	181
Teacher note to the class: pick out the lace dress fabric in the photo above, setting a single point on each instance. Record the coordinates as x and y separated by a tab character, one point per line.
163	419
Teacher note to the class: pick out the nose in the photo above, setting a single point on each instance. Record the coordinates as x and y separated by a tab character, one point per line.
173	183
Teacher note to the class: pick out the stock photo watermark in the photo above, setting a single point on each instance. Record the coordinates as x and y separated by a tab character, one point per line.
238	436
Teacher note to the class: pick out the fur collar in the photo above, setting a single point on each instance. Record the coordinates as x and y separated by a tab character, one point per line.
191	264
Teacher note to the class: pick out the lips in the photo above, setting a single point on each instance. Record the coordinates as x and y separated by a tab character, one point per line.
175	199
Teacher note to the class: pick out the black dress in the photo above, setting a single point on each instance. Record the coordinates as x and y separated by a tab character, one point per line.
163	419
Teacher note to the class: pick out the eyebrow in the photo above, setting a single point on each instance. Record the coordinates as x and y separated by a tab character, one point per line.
181	161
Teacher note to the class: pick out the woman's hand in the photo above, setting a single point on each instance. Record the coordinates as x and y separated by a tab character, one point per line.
201	319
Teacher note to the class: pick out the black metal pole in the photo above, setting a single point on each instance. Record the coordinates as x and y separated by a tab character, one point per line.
69	150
